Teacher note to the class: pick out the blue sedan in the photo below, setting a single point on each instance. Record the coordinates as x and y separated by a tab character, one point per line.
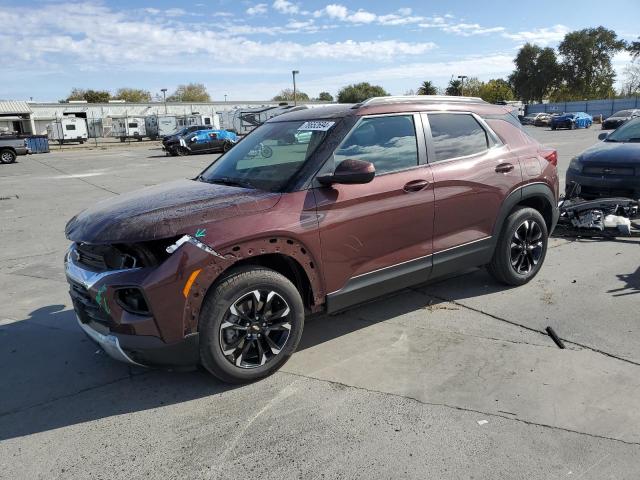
571	120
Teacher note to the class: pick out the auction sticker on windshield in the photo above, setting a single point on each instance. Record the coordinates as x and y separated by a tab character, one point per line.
318	126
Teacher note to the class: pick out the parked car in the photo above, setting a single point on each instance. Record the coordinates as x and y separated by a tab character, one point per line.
180	133
571	120
618	118
536	119
201	141
611	167
12	146
314	211
543	120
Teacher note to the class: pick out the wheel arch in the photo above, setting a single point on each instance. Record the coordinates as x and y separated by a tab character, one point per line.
538	196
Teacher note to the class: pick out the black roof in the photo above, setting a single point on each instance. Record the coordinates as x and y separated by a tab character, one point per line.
316	113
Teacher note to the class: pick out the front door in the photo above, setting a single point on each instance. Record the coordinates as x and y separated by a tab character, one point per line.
377	237
472	172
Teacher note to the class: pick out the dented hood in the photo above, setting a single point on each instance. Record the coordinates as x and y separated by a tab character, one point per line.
164	210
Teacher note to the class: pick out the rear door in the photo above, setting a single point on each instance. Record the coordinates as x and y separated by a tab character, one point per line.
472	173
376	237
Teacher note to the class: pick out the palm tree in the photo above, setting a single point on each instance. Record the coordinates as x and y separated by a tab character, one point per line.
427	88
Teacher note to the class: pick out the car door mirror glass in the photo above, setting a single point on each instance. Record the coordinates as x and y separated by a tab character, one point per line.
350	171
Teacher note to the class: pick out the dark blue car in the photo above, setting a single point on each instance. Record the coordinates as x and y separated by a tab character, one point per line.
610	168
202	141
571	120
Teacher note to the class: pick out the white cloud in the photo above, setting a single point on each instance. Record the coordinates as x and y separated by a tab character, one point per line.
362	16
257	9
90	36
284	6
334	11
540	36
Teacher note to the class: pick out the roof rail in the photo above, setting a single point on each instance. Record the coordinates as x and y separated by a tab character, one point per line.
419	99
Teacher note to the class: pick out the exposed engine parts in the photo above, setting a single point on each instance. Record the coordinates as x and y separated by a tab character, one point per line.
605	217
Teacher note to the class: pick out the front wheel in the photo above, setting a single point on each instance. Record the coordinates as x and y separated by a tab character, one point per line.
7	156
181	151
521	248
250	325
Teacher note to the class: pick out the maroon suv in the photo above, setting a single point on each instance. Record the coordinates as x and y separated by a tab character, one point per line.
316	210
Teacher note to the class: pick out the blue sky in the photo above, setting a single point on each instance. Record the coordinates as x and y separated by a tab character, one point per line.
247	49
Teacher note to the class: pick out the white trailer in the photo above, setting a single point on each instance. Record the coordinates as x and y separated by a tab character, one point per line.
129	127
243	120
159	126
68	129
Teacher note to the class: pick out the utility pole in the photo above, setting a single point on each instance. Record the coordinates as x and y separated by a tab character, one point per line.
461	78
294	73
164	98
225	98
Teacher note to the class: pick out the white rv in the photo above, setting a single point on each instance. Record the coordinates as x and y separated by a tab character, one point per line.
68	129
211	121
129	127
159	126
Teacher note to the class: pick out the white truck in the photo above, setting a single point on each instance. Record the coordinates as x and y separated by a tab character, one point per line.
68	129
129	127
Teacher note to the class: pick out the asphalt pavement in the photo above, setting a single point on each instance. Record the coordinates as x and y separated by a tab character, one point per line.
456	379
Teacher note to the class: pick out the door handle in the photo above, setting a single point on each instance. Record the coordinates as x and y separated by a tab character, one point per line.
504	168
415	186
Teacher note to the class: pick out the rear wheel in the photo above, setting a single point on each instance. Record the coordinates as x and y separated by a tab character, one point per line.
7	156
250	325
227	146
521	247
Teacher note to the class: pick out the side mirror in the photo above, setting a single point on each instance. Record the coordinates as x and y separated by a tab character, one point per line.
350	172
603	136
193	139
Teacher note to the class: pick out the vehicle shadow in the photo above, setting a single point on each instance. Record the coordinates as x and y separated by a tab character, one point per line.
632	286
54	376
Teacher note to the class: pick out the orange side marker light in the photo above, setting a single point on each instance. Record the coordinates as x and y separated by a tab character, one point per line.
192	278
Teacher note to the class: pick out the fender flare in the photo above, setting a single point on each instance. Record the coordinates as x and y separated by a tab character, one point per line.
534	190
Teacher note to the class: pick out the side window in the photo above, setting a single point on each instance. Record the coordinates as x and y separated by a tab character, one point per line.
387	142
456	135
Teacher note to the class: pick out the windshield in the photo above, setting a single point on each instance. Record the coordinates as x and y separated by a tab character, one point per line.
622	113
269	156
628	132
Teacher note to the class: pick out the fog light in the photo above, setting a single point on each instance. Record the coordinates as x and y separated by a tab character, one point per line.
132	300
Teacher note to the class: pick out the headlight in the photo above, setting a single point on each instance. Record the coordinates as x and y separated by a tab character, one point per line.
575	164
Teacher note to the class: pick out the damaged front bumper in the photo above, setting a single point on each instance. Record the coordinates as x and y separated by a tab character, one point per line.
165	334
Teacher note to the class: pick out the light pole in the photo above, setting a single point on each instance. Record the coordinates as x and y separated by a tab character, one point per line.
225	98
462	77
294	73
164	98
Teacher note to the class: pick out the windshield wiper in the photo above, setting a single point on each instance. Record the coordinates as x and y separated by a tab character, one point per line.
234	182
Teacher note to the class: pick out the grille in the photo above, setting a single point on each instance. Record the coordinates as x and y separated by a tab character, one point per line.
103	257
85	306
621	171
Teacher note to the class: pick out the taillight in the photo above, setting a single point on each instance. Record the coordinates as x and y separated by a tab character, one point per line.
551	156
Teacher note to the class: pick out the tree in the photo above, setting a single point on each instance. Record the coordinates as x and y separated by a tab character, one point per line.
90	96
359	92
427	88
192	92
133	95
454	87
634	48
631	82
586	62
286	95
496	90
471	87
325	97
537	73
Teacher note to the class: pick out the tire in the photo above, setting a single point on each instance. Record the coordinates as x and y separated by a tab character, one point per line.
122	139
249	360
7	156
553	127
572	126
227	146
181	152
502	266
